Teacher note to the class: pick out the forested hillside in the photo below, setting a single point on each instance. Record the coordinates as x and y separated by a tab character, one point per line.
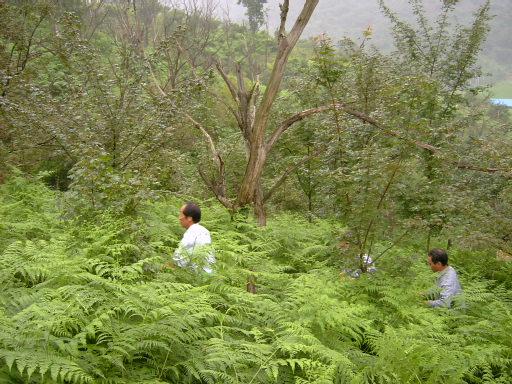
351	17
307	155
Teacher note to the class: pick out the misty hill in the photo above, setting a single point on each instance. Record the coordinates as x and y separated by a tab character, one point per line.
340	18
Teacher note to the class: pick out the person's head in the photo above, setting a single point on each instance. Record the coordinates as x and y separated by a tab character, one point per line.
190	213
437	258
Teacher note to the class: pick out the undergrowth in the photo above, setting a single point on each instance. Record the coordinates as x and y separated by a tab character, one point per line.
94	302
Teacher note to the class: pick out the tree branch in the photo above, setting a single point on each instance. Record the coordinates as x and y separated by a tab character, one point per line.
218	190
302	21
229	83
428	147
391	246
245	104
219	187
381	200
286	45
216	155
297	117
283	177
226	79
284	14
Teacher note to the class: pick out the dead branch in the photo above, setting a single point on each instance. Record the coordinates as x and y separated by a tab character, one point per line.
218	189
229	83
216	155
284	14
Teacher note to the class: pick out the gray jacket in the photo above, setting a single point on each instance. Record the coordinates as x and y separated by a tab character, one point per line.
450	286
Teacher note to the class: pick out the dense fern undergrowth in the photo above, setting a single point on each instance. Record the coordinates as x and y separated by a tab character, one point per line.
91	301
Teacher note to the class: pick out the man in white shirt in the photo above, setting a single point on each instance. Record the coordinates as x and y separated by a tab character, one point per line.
195	237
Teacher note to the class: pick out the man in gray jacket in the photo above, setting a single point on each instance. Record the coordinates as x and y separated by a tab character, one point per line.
447	279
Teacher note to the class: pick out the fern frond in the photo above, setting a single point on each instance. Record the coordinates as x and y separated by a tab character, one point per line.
45	364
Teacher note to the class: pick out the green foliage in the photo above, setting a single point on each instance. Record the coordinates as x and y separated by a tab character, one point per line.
78	307
439	49
85	105
370	176
28	211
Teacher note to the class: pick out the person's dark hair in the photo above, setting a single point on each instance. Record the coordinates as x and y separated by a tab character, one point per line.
438	254
192	210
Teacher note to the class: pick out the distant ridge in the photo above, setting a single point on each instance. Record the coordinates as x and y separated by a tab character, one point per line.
340	18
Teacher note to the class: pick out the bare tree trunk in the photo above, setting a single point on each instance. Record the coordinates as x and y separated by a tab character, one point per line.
259	207
258	149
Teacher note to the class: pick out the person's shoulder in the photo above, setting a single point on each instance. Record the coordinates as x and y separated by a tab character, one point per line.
449	272
199	228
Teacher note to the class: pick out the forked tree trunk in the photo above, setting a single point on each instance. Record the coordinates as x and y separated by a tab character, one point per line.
249	192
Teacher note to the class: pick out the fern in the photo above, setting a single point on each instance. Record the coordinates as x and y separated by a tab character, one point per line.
40	363
28	210
94	304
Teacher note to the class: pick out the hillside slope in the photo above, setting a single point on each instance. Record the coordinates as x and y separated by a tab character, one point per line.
339	18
